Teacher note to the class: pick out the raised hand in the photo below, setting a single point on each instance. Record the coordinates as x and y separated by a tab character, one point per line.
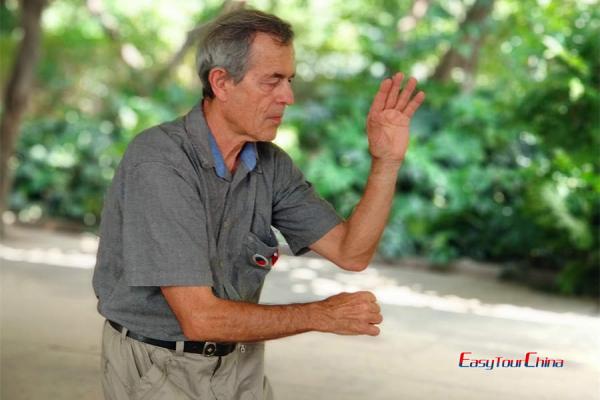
389	118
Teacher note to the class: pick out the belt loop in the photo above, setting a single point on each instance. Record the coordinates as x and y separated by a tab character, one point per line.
124	332
179	348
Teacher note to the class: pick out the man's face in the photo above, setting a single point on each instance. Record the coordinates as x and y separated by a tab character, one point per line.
256	104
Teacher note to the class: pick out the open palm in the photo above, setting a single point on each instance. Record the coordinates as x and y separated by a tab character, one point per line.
389	118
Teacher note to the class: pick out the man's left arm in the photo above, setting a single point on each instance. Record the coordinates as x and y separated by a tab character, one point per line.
352	244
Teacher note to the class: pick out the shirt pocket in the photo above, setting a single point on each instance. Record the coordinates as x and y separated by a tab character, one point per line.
256	260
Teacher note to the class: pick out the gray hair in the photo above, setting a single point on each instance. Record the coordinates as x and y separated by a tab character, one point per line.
226	44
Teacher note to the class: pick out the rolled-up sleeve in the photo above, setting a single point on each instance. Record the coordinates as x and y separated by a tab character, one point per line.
164	229
299	213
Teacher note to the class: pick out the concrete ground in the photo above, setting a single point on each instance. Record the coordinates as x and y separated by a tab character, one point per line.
50	331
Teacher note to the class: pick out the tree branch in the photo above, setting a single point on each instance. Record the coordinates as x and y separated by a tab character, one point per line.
470	38
191	39
128	53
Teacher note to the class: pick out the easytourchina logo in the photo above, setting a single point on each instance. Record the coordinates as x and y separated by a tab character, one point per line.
531	360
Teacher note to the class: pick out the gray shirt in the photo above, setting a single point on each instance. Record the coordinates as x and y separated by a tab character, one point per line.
171	219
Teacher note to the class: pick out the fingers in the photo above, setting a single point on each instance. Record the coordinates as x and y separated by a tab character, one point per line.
381	96
354	313
366	295
371	328
374	331
405	95
374	308
390	96
375	318
370	314
414	104
360	328
368	307
364	329
393	94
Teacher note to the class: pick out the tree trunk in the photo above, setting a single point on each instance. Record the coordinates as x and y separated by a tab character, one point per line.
17	93
471	34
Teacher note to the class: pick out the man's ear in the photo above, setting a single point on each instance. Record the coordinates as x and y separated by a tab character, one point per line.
219	80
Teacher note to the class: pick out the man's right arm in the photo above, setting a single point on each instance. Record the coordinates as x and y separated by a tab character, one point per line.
205	317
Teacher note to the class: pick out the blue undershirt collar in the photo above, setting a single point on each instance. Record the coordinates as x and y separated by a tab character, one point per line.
247	155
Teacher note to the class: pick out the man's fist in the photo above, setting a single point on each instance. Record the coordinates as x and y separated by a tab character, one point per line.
349	314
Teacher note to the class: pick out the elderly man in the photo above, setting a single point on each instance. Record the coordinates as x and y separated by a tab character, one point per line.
186	238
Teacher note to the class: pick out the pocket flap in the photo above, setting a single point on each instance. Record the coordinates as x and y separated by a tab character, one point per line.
259	253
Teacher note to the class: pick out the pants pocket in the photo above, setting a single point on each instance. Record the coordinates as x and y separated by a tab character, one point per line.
122	379
133	370
112	384
151	385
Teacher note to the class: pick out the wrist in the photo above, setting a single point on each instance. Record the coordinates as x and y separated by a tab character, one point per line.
317	318
385	168
386	163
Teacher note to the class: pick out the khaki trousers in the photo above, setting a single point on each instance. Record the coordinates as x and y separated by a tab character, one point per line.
139	371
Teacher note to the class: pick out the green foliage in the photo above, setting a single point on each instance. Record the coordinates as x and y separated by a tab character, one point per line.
507	171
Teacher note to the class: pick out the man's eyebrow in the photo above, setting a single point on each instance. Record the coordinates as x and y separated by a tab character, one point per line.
281	76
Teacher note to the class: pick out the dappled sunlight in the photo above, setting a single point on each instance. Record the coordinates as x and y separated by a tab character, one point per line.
317	277
52	256
82	256
406	296
305	280
303	273
399	295
300	288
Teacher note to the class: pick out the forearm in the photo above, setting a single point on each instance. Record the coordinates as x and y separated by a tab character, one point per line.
205	317
365	226
232	321
352	244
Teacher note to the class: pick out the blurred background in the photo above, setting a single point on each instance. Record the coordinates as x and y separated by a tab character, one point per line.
502	172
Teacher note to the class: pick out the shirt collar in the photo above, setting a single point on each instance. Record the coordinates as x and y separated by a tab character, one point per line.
247	155
204	142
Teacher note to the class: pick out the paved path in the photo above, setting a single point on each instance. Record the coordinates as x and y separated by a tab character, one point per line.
49	337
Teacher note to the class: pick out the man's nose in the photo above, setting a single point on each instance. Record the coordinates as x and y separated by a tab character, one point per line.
286	93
